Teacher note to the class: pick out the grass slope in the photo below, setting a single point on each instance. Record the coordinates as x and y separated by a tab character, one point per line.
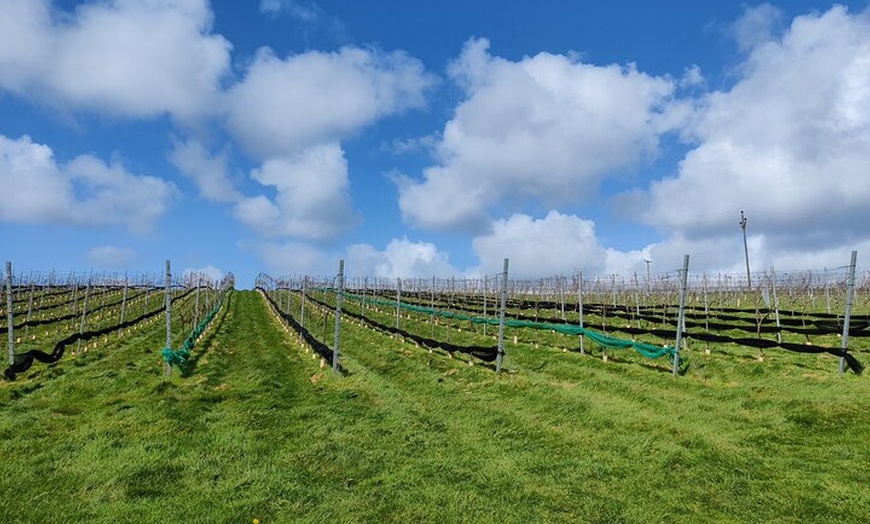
257	430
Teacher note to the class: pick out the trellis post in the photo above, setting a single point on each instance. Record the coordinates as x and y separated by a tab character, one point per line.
398	299
850	296
84	313
124	299
681	318
10	316
302	306
167	301
775	305
29	309
485	286
432	306
338	301
580	309
504	287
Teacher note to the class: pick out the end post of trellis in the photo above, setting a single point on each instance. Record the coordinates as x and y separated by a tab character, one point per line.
580	309
10	317
504	287
338	302
398	300
167	302
850	297
681	319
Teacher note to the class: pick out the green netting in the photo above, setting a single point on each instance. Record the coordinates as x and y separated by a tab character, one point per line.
179	357
647	350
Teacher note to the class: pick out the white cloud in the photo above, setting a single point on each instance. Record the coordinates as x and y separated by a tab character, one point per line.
692	77
111	257
272	7
24	43
284	106
307	12
547	127
258	212
209	172
789	144
403	146
83	192
134	58
312	202
402	258
756	26
554	245
202	275
725	254
292	114
34	188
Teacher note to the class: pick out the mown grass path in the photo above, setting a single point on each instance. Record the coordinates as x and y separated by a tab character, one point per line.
258	430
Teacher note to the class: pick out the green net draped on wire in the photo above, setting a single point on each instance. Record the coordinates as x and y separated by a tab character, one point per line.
647	350
179	357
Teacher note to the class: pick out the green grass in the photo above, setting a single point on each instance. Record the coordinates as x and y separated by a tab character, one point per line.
259	430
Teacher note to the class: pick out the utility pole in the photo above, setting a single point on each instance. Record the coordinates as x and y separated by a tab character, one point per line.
745	250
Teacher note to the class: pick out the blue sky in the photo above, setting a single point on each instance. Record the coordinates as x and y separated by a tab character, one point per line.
432	138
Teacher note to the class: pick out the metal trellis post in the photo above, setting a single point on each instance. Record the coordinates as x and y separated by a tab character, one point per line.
504	287
338	301
10	317
850	296
681	319
167	301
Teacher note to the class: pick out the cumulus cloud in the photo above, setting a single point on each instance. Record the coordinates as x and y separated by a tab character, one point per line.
312	202
24	43
111	257
209	172
401	258
725	254
84	192
283	106
756	26
789	143
692	78
547	127
293	113
557	244
132	58
202	275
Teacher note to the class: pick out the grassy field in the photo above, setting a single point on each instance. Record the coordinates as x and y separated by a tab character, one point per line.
258	430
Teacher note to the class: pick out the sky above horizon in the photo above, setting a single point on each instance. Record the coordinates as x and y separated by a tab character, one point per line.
414	139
